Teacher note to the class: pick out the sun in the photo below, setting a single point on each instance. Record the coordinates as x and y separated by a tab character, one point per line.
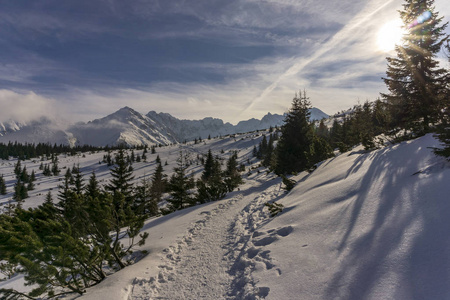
390	35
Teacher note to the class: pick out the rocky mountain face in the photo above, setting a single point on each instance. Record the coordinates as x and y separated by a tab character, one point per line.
127	126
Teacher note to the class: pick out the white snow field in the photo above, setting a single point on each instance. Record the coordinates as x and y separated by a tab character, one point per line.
361	226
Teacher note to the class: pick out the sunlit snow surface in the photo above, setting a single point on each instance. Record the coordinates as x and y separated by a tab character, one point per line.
361	226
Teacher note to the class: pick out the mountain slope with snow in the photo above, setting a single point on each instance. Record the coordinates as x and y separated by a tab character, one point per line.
127	126
40	131
363	225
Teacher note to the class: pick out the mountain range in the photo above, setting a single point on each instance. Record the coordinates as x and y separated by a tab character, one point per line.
127	126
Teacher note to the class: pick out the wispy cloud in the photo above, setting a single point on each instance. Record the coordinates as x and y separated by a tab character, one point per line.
343	37
25	107
231	59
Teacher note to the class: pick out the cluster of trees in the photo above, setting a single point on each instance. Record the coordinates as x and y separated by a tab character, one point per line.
24	183
68	246
359	125
28	151
265	150
75	243
109	160
299	147
50	169
213	184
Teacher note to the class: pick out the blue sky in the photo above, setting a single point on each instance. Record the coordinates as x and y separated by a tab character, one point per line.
232	59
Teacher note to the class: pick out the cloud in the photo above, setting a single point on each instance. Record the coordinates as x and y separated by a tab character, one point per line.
25	107
346	36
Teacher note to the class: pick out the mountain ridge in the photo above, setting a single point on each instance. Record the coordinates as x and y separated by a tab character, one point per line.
129	127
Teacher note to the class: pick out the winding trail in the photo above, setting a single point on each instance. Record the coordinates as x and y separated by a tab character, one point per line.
218	253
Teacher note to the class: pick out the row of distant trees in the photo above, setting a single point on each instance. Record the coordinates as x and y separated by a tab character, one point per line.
73	244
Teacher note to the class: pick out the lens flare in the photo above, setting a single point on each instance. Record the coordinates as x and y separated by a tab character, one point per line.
425	16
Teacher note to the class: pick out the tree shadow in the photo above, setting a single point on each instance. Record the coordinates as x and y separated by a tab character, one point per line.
405	236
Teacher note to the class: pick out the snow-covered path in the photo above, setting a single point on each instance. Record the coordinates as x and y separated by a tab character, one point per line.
216	256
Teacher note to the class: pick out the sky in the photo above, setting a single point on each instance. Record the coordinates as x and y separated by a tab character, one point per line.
230	59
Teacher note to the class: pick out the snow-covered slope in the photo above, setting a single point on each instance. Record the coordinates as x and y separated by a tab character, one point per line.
361	226
365	226
317	114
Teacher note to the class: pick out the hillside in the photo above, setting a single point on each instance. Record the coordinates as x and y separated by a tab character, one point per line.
361	226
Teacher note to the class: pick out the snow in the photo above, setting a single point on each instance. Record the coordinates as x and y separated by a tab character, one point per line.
363	225
127	126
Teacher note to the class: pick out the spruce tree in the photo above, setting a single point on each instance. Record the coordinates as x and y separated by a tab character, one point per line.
145	203
48	197
92	188
32	176
122	175
2	186
20	191
208	171
211	186
297	135
158	184
233	177
444	127
179	186
24	175
18	168
415	81
78	180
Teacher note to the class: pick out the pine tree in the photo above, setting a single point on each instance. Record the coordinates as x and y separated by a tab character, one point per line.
179	186
319	151
444	127
55	167
211	186
208	171
233	178
20	191
32	176
158	184
18	168
49	197
30	186
415	81
24	175
297	135
2	186
93	187
145	203
122	175
64	192
78	180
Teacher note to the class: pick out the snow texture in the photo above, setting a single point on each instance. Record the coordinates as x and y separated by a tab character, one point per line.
363	225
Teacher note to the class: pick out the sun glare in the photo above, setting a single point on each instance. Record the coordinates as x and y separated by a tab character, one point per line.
390	35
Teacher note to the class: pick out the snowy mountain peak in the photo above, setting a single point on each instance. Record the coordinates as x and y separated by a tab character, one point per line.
127	126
